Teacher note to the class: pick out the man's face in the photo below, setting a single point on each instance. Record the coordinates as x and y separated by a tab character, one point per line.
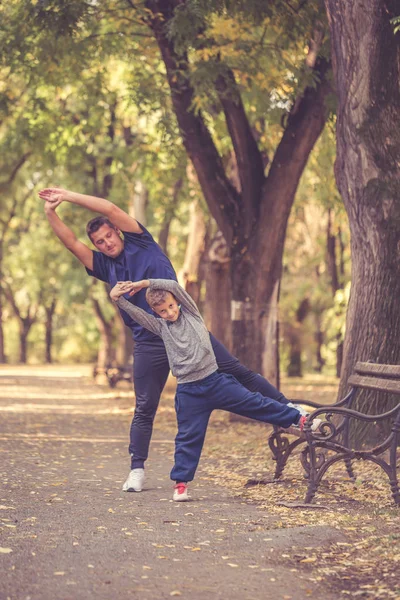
108	241
169	309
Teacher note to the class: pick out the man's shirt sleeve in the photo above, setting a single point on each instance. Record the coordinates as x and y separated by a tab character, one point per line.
100	268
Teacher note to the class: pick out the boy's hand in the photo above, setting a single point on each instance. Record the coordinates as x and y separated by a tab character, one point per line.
136	286
121	288
131	287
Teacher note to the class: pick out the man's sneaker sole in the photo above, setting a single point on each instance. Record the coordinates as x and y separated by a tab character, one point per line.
135	481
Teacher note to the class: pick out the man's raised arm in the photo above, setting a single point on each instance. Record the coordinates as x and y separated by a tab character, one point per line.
116	215
67	237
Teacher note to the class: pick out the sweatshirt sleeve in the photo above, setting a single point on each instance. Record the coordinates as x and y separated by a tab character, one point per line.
140	316
180	294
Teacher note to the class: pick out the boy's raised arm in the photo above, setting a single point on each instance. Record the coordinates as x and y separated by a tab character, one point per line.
137	314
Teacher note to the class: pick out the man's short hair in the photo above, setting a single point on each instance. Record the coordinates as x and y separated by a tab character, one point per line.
156	297
95	224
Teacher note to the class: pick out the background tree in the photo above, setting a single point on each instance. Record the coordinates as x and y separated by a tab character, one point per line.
366	56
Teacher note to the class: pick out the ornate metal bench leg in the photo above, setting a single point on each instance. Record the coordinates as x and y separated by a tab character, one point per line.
349	468
312	473
394	482
278	445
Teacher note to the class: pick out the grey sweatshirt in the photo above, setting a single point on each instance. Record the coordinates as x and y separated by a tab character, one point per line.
187	341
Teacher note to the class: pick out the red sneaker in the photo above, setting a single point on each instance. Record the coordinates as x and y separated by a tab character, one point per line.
180	492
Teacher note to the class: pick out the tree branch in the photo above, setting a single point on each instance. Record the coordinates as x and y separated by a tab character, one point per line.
249	159
222	199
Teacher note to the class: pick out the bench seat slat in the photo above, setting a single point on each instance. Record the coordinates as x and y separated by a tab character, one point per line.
375	383
365	368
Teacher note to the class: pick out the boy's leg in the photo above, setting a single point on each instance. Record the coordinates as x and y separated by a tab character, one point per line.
150	373
192	415
252	381
230	395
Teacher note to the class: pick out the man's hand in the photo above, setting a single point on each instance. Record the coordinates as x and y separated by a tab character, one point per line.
53	197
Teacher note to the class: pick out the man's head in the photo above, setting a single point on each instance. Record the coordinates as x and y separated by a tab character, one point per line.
105	236
164	304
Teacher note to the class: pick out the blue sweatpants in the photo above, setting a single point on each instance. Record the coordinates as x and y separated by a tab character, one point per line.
150	373
194	403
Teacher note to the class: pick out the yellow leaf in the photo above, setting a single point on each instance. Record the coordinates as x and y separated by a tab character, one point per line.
176	593
5	550
232	565
311	559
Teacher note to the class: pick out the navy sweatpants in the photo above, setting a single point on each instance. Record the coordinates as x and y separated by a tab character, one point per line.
150	373
194	403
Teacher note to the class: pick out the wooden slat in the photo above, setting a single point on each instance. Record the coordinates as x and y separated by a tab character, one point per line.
366	368
375	383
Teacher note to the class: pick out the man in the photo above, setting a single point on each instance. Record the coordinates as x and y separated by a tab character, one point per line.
134	257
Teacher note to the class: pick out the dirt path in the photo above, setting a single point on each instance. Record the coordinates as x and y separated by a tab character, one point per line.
69	532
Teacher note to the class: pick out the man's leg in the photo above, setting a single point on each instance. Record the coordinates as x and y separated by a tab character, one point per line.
150	373
252	381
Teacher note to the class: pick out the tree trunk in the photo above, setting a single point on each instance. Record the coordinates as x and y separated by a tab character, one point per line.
366	64
140	202
169	215
3	358
294	335
49	330
254	220
124	348
25	324
105	352
189	274
217	309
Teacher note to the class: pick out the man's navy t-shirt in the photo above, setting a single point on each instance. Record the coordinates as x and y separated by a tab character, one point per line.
141	258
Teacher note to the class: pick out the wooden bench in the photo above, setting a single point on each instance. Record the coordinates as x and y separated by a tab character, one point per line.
331	443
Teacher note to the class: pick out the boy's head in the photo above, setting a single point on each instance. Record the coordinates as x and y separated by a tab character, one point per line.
163	303
105	236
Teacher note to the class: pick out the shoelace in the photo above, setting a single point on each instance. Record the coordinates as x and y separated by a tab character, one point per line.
180	487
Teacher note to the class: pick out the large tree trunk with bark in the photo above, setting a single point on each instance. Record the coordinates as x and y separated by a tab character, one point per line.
253	220
366	57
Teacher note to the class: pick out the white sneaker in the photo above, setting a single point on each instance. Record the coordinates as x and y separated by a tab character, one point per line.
180	493
135	481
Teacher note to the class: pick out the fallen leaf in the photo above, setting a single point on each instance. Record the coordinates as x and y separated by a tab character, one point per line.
310	559
5	550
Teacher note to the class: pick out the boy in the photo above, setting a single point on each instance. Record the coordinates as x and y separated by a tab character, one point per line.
201	388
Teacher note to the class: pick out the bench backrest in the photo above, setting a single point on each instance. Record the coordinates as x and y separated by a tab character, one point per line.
384	378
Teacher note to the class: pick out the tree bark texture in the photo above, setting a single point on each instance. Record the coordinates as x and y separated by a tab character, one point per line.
253	220
366	55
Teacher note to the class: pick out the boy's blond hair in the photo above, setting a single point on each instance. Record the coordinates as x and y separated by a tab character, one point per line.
156	297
